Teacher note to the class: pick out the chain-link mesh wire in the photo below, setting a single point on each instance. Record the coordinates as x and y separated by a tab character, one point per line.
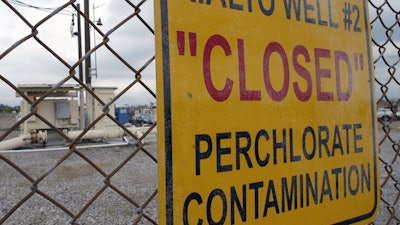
385	23
80	185
72	185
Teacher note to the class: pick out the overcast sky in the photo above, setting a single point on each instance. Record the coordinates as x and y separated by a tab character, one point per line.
30	63
391	51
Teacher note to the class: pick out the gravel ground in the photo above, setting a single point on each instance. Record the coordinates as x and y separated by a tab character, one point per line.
389	212
75	182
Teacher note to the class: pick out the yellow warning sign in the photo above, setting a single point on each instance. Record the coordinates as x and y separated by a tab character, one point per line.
266	112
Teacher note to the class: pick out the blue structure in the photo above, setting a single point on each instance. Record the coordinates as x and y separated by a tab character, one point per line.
122	114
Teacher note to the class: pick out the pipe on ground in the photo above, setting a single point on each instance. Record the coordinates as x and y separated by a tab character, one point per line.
41	137
24	139
106	133
15	142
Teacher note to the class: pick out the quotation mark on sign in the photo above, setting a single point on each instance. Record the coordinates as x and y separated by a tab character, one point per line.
181	40
358	61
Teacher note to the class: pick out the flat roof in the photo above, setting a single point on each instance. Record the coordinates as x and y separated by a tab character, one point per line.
36	90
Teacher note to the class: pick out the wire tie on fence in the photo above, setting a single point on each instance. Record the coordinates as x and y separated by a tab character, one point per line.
34	109
139	210
106	107
34	186
139	143
106	180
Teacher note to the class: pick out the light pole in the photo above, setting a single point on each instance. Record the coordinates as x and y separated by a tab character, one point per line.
99	23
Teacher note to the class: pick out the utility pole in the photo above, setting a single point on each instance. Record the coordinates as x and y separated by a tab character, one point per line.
81	97
88	79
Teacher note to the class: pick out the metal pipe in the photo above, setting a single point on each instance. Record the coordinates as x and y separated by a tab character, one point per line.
66	148
93	134
105	133
15	142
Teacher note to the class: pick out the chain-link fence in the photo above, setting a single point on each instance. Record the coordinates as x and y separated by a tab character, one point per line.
77	184
87	182
385	23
